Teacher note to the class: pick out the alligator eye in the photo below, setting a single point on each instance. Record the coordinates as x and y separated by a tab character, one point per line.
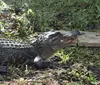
57	34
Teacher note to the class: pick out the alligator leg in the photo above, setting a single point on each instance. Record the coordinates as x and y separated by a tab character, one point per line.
42	64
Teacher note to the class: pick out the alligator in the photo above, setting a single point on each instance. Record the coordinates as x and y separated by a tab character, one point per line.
34	51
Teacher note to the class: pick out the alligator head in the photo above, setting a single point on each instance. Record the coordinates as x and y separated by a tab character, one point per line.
49	42
60	39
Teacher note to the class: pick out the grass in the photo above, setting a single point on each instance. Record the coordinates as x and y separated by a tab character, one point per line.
43	15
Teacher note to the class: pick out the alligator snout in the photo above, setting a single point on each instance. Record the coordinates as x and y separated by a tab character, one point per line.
70	37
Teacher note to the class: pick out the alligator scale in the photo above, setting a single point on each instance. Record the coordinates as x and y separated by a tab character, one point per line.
34	52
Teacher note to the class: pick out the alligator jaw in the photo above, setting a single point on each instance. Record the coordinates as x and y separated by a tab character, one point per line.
69	40
60	39
70	37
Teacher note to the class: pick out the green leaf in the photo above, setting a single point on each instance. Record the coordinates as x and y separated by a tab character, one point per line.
98	5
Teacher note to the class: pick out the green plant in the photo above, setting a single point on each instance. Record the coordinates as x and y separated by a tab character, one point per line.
92	78
65	14
63	55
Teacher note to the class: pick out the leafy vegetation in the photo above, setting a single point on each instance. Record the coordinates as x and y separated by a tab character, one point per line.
24	17
15	21
64	14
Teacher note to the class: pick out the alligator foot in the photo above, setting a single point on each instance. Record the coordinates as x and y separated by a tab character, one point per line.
43	64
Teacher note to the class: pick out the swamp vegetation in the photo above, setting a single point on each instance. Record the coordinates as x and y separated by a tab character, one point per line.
77	66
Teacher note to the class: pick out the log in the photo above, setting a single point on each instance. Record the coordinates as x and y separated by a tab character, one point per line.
88	39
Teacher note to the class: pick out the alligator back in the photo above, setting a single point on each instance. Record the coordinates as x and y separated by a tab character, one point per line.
6	43
15	52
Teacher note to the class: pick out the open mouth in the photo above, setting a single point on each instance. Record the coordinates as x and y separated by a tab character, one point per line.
69	40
